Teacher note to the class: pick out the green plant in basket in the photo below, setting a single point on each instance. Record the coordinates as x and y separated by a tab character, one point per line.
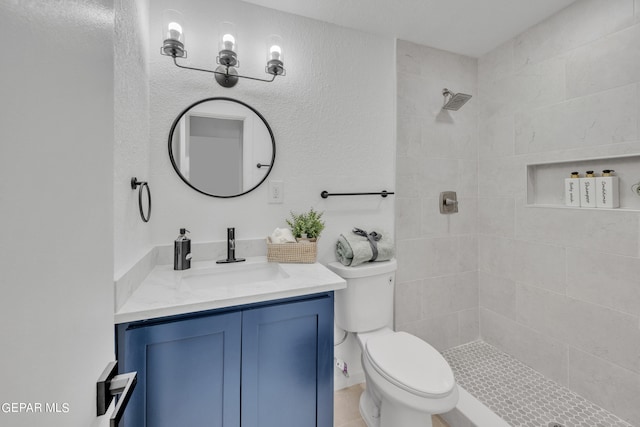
308	224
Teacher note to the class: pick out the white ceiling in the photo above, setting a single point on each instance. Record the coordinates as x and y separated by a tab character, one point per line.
467	27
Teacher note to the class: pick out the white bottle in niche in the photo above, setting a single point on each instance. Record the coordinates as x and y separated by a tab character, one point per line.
607	193
588	191
572	190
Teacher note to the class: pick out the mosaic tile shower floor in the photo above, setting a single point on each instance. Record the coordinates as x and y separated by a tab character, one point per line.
520	395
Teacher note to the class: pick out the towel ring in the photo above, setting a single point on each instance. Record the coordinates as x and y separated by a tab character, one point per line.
142	184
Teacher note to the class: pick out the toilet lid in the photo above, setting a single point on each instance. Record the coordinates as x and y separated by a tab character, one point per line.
411	364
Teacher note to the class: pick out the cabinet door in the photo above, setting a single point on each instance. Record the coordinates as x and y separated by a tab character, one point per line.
188	372
287	362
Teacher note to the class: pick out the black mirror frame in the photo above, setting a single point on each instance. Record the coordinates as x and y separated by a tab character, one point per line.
175	124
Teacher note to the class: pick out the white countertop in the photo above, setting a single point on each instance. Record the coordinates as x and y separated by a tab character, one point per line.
207	285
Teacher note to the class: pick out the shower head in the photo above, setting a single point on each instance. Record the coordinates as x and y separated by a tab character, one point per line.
453	101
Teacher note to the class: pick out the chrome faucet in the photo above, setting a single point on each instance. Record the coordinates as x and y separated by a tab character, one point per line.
231	248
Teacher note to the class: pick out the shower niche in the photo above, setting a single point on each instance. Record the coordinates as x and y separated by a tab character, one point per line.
545	181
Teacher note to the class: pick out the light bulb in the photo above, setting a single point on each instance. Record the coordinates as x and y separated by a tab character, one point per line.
275	51
228	42
172	34
174	31
172	26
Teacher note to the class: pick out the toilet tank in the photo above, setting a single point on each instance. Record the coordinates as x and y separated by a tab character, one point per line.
367	301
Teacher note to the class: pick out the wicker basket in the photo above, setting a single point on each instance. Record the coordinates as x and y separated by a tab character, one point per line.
299	253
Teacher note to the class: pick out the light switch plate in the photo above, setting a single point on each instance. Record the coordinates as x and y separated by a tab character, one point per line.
276	192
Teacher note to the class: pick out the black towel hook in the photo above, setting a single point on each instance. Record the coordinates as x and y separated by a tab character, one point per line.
142	184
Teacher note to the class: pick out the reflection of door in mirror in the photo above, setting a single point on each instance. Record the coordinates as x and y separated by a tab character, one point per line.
213	157
215	154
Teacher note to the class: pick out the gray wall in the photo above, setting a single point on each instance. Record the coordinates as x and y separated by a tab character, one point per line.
56	207
132	237
557	288
334	126
560	288
437	279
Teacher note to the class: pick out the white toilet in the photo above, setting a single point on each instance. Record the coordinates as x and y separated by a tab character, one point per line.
407	379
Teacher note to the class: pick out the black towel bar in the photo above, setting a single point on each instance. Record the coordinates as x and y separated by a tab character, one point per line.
383	193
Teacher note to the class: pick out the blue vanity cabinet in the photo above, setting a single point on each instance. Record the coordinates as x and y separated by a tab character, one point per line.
188	371
260	365
287	365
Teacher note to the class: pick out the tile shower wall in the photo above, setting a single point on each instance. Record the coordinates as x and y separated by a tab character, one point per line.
559	289
437	279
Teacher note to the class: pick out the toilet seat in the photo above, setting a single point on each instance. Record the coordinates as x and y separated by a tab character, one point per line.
410	364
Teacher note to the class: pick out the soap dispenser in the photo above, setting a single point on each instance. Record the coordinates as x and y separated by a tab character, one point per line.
572	190
588	191
182	251
607	193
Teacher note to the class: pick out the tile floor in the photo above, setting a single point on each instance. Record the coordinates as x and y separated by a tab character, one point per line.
521	396
347	414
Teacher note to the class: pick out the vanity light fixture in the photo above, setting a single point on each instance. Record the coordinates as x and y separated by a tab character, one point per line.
226	73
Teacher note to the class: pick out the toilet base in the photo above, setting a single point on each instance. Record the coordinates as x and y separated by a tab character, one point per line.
393	415
385	414
369	412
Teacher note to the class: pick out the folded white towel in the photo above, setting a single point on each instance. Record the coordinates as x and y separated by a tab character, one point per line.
282	235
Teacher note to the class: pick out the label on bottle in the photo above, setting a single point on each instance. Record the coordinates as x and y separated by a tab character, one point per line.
588	192
607	192
572	192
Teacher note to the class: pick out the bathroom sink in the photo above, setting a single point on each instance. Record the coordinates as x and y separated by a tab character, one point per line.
207	285
236	274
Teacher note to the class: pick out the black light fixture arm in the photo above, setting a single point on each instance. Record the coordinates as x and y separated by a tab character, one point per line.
226	74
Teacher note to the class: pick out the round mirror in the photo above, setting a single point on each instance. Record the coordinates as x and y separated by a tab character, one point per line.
222	147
